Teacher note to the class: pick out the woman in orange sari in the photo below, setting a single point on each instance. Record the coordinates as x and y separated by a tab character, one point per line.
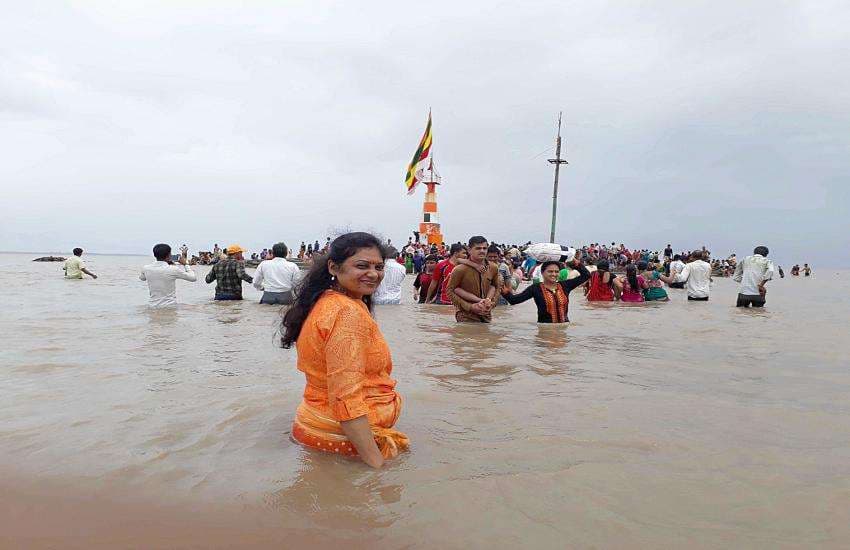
350	404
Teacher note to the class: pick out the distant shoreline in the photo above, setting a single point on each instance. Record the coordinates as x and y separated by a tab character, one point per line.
67	253
787	267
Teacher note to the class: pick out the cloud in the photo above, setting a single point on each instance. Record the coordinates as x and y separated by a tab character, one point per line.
686	123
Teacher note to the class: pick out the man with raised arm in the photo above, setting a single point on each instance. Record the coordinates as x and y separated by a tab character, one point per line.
162	276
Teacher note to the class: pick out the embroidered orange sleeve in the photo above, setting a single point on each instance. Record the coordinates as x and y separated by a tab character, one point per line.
345	356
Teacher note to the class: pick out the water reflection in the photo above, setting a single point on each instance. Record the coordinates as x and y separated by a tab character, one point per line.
759	312
336	493
475	361
160	336
551	336
164	317
228	311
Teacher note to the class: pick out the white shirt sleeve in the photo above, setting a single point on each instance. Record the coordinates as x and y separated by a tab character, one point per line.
258	277
768	272
683	276
739	272
186	274
294	275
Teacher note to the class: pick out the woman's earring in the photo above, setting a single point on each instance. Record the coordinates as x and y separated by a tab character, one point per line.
333	278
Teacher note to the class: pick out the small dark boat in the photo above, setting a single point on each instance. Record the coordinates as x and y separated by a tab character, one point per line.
50	259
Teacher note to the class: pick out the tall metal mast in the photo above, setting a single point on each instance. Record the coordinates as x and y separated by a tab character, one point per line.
557	161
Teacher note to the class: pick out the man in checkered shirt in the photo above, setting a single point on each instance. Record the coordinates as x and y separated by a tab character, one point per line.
228	274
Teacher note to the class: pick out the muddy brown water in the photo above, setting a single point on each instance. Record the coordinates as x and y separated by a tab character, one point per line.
661	425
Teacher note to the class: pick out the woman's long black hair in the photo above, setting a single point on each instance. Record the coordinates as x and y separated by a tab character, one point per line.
631	275
603	267
318	280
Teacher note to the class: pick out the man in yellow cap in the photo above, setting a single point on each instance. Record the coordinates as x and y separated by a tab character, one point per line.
229	274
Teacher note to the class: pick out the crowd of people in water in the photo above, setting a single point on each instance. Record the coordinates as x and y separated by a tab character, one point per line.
350	405
613	273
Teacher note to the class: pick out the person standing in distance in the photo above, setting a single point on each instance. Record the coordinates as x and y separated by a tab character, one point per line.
753	272
442	273
162	276
697	277
75	266
389	291
229	274
277	277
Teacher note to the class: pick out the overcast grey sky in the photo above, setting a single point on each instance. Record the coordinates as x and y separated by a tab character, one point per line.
717	123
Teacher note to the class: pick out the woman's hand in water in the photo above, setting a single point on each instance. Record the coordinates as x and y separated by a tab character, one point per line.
360	434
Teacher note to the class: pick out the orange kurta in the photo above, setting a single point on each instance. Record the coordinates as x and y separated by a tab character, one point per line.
347	363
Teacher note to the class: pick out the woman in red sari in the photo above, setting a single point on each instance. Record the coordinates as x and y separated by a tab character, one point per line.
603	286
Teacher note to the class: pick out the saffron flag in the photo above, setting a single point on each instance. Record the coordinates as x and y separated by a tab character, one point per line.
412	179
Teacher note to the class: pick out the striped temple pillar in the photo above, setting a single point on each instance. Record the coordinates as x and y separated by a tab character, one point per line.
430	226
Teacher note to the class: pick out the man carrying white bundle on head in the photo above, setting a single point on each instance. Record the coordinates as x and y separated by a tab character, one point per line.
277	277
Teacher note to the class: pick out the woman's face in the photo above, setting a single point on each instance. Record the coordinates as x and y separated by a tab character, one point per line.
361	273
550	274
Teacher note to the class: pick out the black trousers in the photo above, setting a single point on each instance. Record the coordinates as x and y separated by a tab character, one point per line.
277	298
747	300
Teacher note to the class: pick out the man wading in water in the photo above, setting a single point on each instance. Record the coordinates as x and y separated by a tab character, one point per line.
442	272
753	272
229	274
75	267
473	291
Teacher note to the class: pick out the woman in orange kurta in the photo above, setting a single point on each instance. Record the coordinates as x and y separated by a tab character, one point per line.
350	404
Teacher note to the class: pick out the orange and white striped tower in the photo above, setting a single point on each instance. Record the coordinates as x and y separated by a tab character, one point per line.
430	224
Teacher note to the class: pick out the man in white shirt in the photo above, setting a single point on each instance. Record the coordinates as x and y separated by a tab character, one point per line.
697	277
389	291
162	276
277	277
676	267
752	273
